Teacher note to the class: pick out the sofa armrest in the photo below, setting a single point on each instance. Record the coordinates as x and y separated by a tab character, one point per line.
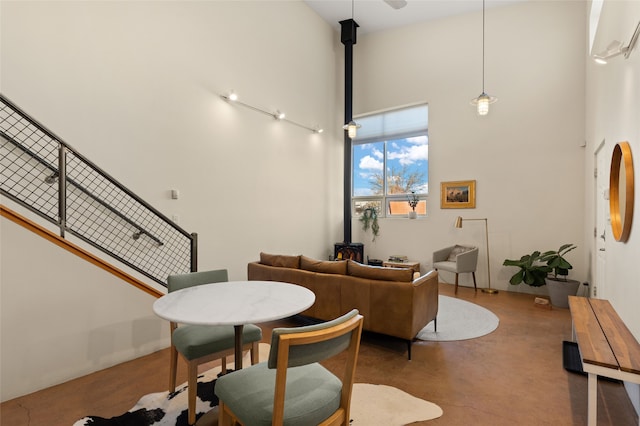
427	279
402	309
425	300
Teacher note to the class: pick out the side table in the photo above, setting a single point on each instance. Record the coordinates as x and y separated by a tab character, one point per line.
408	265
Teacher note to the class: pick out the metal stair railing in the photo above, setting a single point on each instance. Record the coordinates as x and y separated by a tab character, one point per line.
44	174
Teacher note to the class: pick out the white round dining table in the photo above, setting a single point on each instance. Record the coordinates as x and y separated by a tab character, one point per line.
234	303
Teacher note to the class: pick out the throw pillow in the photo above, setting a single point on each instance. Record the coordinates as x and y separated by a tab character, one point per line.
456	251
280	260
323	266
379	273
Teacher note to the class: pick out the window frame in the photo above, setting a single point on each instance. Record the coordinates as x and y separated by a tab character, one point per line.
383	201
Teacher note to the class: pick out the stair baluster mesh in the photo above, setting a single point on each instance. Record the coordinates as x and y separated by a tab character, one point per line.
97	208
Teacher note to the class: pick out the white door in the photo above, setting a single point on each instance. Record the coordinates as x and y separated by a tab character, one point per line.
603	221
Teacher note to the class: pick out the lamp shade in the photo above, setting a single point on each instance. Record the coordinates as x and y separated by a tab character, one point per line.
458	223
482	103
351	128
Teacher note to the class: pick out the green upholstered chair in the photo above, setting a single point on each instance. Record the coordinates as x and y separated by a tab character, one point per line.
198	344
292	388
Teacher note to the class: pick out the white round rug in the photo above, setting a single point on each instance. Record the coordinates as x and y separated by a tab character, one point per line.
459	320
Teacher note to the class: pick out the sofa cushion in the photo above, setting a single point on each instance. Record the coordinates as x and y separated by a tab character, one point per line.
323	266
379	273
456	251
280	260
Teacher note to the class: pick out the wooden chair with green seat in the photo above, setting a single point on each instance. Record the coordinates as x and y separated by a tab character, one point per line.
198	344
292	388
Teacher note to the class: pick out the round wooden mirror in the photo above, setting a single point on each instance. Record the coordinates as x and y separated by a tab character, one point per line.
621	191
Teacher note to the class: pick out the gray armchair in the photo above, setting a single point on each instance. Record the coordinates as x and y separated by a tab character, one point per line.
457	259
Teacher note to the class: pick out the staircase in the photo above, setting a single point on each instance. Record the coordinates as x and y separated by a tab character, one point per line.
44	174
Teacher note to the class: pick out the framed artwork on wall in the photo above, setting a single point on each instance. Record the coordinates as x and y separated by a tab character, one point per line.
458	194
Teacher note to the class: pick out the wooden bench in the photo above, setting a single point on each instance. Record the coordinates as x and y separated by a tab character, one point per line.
607	347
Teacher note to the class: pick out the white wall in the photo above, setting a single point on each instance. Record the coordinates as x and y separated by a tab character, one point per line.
62	317
134	87
526	155
613	113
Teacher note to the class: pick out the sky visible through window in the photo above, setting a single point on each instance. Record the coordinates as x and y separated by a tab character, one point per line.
407	166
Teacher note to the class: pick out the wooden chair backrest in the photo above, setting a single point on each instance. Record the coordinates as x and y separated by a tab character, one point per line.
305	345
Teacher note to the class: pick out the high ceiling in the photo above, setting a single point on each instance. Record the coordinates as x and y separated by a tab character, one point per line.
379	15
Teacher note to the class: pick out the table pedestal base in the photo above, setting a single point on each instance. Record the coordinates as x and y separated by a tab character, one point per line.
238	348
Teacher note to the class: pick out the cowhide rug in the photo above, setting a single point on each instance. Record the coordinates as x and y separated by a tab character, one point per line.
371	405
163	408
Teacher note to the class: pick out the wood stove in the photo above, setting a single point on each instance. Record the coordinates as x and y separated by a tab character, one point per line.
351	251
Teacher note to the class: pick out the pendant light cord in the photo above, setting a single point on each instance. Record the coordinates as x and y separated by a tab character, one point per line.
483	45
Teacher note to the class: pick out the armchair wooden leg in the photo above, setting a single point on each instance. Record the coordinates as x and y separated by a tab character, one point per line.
474	281
456	289
173	367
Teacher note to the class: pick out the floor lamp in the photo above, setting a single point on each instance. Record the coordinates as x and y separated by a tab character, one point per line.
486	229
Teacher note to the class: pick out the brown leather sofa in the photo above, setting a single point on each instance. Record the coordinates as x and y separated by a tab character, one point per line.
390	299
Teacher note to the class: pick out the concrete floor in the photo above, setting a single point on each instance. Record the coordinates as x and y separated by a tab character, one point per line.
513	376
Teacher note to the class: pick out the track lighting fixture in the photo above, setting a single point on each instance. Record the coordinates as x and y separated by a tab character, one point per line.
616	48
232	97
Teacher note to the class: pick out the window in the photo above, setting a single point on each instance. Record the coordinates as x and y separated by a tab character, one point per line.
390	161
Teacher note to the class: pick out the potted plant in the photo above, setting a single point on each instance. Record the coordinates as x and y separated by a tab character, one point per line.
413	202
369	219
560	287
549	268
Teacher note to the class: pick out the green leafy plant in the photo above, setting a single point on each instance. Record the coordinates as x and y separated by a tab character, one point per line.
531	272
556	261
369	219
536	267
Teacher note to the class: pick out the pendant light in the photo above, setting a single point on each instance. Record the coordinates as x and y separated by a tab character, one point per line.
482	102
352	129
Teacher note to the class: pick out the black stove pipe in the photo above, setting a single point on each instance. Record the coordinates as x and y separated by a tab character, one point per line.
348	38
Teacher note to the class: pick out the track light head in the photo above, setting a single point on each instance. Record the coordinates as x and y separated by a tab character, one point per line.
230	97
616	48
